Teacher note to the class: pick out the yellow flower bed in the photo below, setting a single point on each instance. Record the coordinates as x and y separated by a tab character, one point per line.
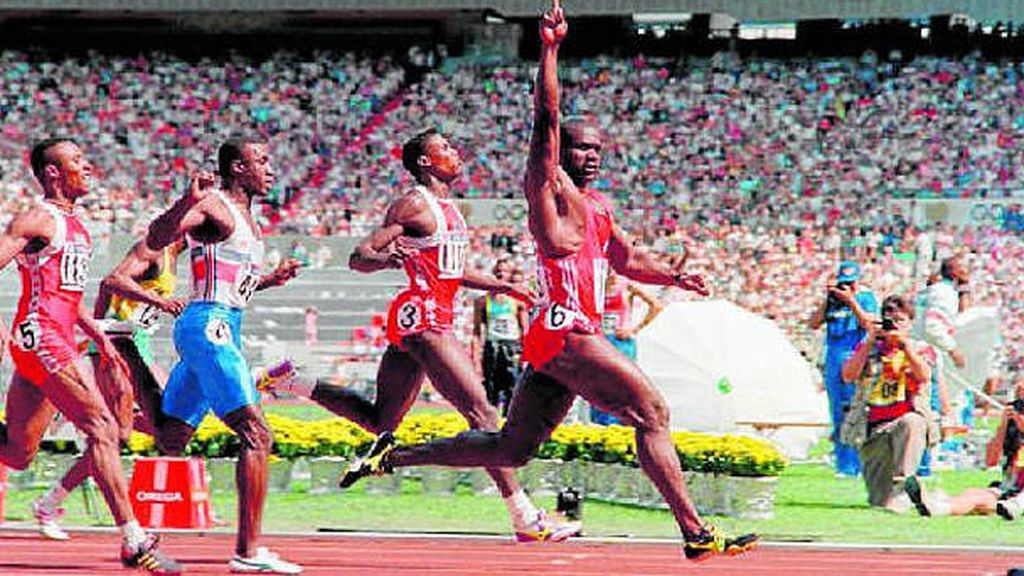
732	455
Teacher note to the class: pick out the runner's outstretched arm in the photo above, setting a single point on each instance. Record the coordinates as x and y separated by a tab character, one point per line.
477	281
285	271
551	195
646	267
122	281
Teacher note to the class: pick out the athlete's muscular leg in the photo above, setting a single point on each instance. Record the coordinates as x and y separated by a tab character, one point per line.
451	371
146	384
593	368
250	473
116	401
28	415
80	400
173	436
399	379
539	404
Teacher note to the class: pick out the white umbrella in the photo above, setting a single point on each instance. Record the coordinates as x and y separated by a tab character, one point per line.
977	334
718	364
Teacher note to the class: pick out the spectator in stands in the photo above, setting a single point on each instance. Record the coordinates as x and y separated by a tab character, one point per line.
1003	497
322	256
311	326
891	416
499	322
848	313
299	252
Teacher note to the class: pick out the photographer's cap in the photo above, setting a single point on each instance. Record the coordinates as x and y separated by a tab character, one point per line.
848	272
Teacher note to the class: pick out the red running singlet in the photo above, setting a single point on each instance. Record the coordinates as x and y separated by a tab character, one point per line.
52	284
571	287
435	274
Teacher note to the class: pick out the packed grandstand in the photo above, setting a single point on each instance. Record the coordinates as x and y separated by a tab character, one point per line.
765	171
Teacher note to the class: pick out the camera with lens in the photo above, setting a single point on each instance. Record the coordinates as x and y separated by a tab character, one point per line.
888	323
1018	405
833	302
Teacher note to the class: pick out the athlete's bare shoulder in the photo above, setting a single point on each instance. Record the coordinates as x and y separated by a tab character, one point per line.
34	223
412	212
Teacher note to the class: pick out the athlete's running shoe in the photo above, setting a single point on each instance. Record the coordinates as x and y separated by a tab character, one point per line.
149	557
47	520
913	488
1009	509
269	378
374	463
546	529
264	562
712	542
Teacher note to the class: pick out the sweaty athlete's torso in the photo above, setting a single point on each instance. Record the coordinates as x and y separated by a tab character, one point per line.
53	281
227	272
576	283
436	272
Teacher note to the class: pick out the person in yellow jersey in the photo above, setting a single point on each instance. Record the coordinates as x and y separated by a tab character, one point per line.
130	301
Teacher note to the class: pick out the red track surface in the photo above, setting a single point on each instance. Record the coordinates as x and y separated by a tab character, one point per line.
91	553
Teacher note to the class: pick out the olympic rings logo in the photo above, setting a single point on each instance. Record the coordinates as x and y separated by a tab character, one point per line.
512	212
987	213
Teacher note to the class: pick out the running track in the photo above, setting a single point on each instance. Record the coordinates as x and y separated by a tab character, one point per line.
91	553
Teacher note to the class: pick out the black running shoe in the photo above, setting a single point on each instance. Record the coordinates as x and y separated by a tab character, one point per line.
712	542
149	557
913	488
374	463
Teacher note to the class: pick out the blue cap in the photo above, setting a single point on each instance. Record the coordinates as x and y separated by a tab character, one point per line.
848	272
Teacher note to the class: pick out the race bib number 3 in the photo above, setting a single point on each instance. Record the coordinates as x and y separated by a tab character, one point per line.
409	317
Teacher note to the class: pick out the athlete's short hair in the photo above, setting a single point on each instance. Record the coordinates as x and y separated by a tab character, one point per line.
231	150
571	123
39	157
414	148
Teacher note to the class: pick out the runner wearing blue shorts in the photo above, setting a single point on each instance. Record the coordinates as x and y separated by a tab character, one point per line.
226	252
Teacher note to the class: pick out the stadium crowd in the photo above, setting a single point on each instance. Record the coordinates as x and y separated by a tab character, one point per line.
764	172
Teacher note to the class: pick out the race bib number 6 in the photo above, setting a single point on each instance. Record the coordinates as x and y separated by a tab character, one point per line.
218	332
558	317
247	287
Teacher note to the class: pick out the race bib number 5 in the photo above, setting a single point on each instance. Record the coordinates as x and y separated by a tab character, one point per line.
26	335
558	317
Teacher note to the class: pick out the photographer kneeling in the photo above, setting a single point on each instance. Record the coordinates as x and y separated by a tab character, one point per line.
1005	497
891	418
